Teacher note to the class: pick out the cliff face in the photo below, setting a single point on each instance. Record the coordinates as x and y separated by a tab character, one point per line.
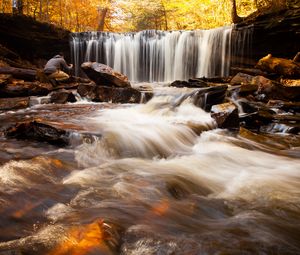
30	39
274	33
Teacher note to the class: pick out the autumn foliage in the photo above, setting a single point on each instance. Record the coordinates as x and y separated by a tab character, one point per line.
133	15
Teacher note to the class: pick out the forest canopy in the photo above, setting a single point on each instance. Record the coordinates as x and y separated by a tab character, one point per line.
134	15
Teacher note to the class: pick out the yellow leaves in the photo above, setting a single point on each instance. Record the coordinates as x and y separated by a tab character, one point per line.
135	15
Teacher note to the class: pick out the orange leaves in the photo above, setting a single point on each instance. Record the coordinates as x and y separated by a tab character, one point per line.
83	240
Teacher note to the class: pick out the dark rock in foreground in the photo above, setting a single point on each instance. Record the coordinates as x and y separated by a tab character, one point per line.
38	131
104	75
14	103
112	94
226	115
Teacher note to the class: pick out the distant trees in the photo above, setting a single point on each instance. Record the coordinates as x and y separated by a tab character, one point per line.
134	15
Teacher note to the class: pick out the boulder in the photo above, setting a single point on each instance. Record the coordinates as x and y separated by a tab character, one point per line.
275	90
113	94
226	115
62	97
104	75
281	66
14	103
241	78
19	88
34	130
205	98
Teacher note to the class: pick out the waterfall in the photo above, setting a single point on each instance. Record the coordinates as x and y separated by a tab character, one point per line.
157	56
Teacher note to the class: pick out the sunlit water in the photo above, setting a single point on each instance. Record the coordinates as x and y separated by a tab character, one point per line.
156	178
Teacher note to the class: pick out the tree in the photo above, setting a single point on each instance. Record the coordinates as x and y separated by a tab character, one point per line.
234	16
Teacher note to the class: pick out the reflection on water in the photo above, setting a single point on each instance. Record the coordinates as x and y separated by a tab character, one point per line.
155	179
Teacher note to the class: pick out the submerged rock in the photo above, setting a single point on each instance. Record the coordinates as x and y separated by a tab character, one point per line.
104	75
226	115
38	131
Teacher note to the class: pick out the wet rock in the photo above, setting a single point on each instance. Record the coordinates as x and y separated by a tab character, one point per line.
281	66
113	94
180	84
207	97
34	130
118	95
191	83
20	88
62	97
104	75
284	105
241	78
226	115
87	90
14	103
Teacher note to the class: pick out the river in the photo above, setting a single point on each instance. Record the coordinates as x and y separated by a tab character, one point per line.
154	178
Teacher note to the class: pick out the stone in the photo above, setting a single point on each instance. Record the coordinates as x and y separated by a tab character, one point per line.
205	98
118	95
62	97
14	103
241	78
35	130
281	66
19	88
113	94
226	115
191	83
104	75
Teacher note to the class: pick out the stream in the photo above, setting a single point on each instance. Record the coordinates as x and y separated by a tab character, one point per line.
154	178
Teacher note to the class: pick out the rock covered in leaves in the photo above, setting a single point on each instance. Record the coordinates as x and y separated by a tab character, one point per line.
104	75
281	66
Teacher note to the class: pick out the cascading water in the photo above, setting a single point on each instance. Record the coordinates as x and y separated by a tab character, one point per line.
157	56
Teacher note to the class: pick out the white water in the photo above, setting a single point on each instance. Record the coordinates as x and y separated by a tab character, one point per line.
157	55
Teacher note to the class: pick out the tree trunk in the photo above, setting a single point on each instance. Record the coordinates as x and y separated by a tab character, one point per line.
102	15
234	17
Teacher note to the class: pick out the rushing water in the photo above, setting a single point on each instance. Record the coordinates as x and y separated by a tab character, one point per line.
156	178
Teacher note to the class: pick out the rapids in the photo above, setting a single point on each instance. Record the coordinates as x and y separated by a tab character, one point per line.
154	178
